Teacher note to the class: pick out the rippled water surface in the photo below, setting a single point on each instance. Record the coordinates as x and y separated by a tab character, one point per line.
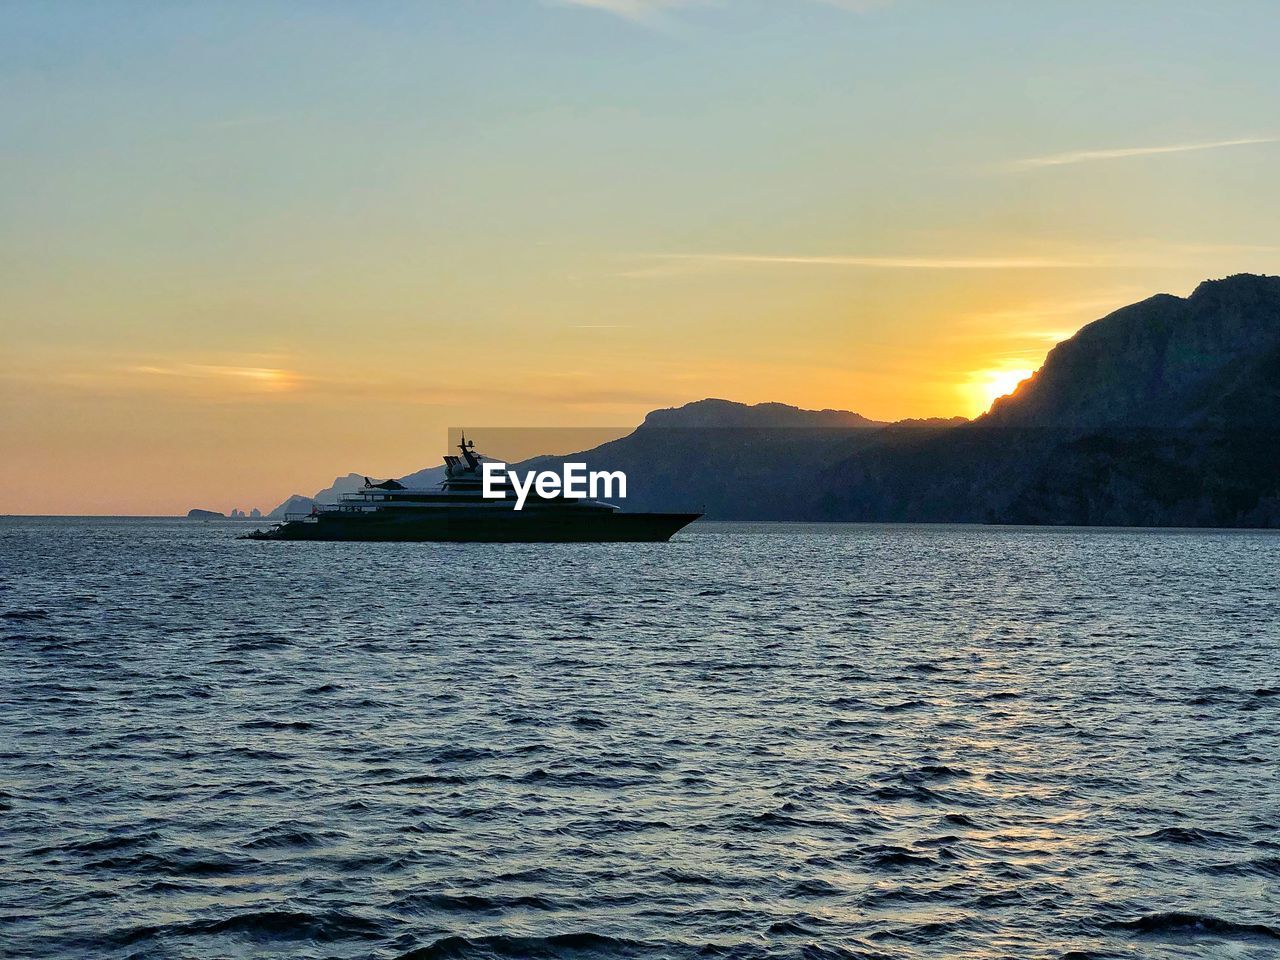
755	741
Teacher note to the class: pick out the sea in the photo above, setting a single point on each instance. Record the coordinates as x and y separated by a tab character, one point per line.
757	740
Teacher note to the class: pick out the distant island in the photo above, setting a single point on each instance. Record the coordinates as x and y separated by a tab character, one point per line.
236	514
1163	413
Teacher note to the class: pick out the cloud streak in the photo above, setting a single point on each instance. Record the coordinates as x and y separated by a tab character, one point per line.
1124	153
885	262
262	378
1140	253
653	12
637	11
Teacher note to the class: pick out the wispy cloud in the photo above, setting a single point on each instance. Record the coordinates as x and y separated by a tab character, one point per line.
1038	313
1139	253
875	262
638	11
1123	153
857	6
262	378
655	12
1014	333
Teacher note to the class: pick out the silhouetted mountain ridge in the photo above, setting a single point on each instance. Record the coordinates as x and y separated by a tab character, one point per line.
715	413
1153	363
1163	413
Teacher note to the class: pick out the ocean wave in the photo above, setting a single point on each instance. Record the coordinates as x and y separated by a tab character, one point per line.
914	792
814	887
931	773
171	864
563	946
287	836
882	858
261	925
25	615
1195	924
1257	867
269	724
427	903
1189	836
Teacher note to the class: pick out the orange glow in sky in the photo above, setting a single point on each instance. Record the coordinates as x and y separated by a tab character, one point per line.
241	255
990	385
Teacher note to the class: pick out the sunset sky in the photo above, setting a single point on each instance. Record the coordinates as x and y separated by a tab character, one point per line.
245	247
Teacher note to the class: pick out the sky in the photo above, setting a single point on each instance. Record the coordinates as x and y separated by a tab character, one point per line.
245	248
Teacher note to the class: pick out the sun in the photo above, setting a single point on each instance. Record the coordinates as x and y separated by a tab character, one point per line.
987	386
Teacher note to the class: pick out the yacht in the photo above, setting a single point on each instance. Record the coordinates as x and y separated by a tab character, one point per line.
457	511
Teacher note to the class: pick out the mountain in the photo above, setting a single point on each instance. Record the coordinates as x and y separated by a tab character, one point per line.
720	414
734	460
340	485
1163	413
1157	363
752	429
297	503
429	477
